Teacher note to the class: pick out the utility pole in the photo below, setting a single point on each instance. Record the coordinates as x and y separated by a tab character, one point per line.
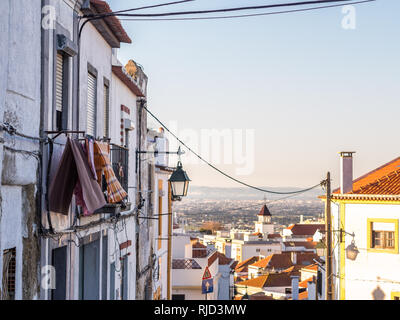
328	241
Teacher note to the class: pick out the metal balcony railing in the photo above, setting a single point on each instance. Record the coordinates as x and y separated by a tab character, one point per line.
119	160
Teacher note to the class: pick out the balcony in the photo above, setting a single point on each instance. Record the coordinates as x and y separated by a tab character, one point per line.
119	157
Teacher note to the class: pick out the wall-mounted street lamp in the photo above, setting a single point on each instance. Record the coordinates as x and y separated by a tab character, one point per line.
179	182
351	250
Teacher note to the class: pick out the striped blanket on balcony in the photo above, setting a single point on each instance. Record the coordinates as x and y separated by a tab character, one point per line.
115	192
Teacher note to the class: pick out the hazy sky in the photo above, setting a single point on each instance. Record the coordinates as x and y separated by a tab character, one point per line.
306	86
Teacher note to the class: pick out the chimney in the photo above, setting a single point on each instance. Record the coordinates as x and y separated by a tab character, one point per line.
346	171
311	290
293	256
295	287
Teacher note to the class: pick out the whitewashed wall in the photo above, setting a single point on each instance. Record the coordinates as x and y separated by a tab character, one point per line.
371	275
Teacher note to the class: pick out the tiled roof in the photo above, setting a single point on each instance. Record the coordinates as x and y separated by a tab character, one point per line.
305	229
212	258
384	180
198	245
305	244
304	283
276	261
199	250
303	295
268	280
274	236
242	267
112	21
264	211
311	267
284	260
223	259
185	264
127	80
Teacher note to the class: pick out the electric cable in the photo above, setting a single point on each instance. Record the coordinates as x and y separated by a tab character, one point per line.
222	172
194	12
135	9
244	15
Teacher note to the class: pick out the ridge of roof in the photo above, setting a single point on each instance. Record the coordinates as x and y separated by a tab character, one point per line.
374	175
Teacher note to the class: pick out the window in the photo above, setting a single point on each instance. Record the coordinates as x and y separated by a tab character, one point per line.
89	272
124	277
60	266
383	235
395	296
9	270
91	104
61	90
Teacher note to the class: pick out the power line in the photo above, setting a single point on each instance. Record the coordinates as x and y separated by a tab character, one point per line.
179	13
194	12
94	16
223	173
245	15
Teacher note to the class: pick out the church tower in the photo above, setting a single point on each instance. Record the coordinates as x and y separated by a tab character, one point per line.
264	224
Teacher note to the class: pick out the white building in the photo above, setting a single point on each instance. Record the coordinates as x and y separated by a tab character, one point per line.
369	208
189	261
20	104
242	245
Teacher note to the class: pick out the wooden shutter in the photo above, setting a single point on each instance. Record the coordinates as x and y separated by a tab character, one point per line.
91	105
59	82
106	111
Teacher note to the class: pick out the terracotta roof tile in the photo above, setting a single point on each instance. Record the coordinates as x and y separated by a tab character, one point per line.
113	22
305	229
303	295
304	283
268	280
223	259
284	260
242	266
305	244
384	180
274	236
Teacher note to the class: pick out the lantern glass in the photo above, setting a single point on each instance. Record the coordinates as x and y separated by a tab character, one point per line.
320	248
352	251
320	252
179	188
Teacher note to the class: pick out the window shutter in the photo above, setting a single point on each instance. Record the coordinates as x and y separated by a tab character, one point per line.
59	82
106	112
91	105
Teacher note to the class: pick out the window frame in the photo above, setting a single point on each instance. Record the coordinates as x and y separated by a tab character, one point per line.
394	295
382	248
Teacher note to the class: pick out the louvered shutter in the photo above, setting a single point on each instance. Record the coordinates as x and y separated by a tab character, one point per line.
59	82
91	105
106	112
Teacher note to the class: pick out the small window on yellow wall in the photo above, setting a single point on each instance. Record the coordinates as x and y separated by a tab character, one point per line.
383	235
395	296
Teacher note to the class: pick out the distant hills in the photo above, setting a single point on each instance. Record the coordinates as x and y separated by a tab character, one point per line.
213	193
